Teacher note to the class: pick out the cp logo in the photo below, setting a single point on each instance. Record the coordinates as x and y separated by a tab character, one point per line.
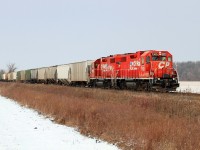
163	64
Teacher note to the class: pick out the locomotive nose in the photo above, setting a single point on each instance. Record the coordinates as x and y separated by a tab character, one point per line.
165	75
162	69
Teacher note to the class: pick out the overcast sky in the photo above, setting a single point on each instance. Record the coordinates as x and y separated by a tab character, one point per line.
36	33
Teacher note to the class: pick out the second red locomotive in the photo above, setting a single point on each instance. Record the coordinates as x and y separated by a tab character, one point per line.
149	70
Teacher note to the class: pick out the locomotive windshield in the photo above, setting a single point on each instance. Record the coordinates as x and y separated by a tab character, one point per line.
163	58
159	58
155	58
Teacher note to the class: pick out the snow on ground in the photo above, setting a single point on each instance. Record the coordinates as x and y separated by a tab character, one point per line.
189	86
23	129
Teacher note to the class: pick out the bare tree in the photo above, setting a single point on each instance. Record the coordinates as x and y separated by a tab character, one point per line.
11	67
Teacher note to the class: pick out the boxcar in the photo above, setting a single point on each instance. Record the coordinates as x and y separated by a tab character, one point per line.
79	72
42	75
18	76
28	75
13	76
34	75
23	76
3	76
51	74
6	76
63	74
9	77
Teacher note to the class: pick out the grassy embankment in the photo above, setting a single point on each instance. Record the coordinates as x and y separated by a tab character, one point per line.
132	120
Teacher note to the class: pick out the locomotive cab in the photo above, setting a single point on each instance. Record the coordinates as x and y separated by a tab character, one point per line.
159	64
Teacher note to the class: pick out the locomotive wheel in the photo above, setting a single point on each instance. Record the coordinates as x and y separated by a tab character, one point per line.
122	85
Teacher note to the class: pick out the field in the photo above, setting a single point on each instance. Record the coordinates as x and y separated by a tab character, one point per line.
132	120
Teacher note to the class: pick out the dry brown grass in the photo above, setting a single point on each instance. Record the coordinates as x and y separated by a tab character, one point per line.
132	120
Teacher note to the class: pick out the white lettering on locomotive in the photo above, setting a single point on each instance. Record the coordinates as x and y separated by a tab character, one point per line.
163	64
167	64
106	67
134	64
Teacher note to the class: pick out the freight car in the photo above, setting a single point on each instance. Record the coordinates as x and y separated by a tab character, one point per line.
34	75
42	76
79	73
76	74
21	76
144	70
9	77
51	74
13	76
4	77
63	74
149	70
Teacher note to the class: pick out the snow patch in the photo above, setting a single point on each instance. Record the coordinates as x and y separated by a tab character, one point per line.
189	87
22	128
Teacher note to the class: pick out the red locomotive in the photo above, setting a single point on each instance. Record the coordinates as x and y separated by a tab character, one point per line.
149	70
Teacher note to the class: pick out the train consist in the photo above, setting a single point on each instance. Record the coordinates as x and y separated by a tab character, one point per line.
150	70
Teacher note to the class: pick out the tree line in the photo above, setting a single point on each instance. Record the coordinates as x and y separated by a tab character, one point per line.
188	71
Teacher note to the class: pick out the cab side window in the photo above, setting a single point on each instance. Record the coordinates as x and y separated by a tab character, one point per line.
169	58
148	59
142	60
163	58
155	58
